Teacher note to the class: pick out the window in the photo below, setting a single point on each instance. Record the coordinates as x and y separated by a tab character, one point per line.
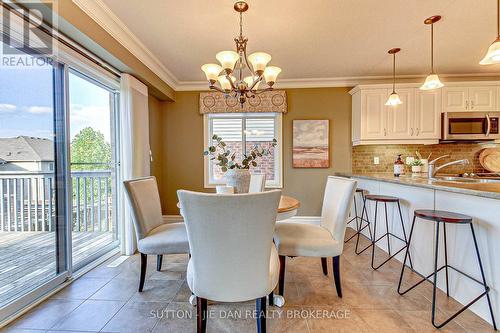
241	131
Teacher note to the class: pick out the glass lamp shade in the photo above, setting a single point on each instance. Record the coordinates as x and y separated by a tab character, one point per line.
224	82
432	82
212	71
227	59
271	73
493	54
249	81
259	60
393	100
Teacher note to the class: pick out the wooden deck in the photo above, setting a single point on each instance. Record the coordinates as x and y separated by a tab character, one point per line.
27	259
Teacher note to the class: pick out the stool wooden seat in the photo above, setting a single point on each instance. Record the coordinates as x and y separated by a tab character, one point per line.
442	216
381	198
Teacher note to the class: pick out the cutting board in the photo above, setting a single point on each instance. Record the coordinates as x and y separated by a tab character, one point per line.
490	159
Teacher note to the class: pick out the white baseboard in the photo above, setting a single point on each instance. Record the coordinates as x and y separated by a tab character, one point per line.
301	219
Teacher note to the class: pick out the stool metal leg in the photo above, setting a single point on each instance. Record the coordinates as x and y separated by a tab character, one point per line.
446	260
486	289
387	229
404	233
407	253
434	287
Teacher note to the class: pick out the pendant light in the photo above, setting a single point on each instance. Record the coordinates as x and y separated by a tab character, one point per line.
393	99
432	80
493	54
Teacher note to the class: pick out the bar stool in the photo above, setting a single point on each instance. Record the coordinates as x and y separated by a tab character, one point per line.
454	218
359	219
385	199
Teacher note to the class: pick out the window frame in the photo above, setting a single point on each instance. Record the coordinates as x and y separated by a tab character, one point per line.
278	150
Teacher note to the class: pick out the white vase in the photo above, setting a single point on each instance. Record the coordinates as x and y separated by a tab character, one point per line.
416	168
239	179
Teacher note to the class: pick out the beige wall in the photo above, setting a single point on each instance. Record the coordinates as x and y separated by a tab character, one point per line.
179	137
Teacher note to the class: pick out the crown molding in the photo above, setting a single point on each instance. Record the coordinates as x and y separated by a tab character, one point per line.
103	16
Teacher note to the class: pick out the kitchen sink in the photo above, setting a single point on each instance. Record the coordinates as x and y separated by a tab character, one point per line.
465	180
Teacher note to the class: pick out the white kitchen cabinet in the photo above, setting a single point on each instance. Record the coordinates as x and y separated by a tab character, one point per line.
427	114
373	115
400	119
470	98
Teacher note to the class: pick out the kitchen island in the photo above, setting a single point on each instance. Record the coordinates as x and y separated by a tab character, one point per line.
479	200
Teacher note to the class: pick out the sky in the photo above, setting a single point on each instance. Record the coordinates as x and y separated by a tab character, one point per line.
26	106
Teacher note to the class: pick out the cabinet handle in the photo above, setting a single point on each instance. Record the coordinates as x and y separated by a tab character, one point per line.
385	132
411	131
466	105
418	131
472	104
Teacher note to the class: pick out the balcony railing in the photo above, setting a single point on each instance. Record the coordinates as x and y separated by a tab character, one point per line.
27	201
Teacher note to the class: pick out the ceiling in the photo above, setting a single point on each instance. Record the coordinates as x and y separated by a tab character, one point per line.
315	39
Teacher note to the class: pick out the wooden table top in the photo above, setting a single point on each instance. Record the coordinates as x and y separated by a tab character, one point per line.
287	204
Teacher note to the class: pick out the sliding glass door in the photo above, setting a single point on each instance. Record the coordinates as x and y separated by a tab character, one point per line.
93	167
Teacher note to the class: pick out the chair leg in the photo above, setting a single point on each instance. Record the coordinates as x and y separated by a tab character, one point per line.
201	314
260	307
324	265
159	260
281	283
336	275
144	265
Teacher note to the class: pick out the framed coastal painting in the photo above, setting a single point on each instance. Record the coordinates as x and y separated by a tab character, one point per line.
310	144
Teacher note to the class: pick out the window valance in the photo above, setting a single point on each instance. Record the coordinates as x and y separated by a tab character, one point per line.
269	101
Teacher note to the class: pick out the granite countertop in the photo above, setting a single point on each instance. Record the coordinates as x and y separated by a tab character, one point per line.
487	190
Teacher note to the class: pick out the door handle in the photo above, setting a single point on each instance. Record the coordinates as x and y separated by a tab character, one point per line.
488	129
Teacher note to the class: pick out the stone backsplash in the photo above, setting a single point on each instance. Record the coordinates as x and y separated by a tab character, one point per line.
362	156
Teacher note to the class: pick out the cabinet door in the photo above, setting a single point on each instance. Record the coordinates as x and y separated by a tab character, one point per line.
400	118
455	99
483	98
427	114
373	114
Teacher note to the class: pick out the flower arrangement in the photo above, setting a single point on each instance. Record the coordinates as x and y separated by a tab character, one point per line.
226	159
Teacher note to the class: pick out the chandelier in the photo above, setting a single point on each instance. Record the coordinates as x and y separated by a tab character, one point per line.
233	63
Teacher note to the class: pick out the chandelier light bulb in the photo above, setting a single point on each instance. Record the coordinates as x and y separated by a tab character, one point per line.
212	72
249	80
224	82
228	60
393	100
259	61
432	82
271	73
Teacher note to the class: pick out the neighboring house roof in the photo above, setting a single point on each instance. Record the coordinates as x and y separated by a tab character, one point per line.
26	149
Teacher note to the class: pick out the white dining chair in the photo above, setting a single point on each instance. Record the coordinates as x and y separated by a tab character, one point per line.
323	239
233	258
154	235
257	183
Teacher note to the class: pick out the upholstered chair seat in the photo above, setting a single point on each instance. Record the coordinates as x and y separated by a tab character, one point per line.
166	238
306	240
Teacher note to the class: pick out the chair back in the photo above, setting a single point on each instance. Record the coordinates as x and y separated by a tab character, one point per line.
145	201
337	201
230	239
257	183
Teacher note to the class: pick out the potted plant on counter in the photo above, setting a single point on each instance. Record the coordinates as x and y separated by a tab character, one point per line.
416	166
236	174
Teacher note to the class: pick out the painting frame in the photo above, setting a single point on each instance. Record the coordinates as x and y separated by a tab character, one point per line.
311	151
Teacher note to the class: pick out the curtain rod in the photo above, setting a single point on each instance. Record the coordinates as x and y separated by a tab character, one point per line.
63	39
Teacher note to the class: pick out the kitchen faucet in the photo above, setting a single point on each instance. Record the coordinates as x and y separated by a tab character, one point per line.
433	169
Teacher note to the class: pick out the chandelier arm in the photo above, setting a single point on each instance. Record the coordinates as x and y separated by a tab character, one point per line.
256	81
258	92
214	87
228	77
250	67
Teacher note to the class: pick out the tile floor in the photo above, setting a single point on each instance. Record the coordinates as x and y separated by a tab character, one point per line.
106	300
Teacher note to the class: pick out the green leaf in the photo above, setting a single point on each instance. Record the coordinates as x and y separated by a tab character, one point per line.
224	169
211	149
254	163
214	137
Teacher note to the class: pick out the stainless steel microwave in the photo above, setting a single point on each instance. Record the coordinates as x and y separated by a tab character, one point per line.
470	126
